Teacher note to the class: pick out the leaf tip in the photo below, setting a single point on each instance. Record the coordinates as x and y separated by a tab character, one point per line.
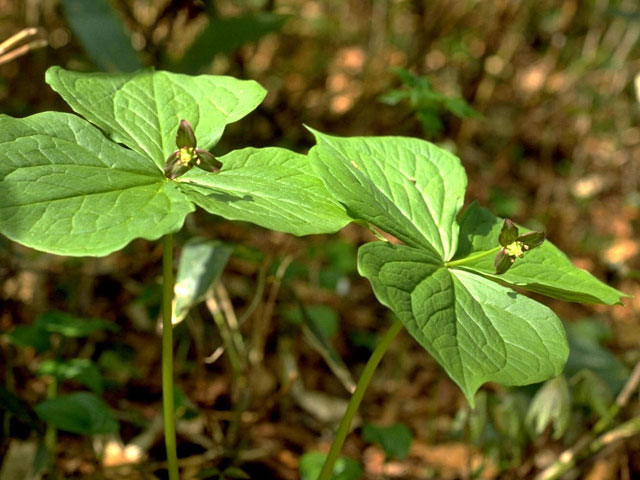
470	396
320	137
313	131
51	74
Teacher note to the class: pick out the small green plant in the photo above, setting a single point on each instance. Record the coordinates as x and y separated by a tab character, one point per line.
71	187
448	281
80	412
428	104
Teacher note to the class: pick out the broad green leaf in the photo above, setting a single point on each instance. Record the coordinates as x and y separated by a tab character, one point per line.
478	330
271	187
544	270
66	189
201	264
30	336
80	412
71	326
102	34
82	370
224	35
394	439
407	187
142	110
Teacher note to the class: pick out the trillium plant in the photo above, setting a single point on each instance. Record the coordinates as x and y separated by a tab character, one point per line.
88	186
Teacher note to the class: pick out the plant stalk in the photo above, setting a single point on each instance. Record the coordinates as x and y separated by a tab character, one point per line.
167	359
471	258
356	398
51	433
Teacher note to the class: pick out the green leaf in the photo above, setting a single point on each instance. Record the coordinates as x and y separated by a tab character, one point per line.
143	110
102	34
224	35
81	412
407	187
30	336
394	439
478	330
345	468
271	187
544	270
235	472
201	264
81	370
66	189
71	326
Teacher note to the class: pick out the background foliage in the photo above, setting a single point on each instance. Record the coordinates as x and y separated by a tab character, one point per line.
538	99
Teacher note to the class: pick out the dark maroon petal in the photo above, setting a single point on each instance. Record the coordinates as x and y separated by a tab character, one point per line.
502	262
185	136
173	167
531	240
508	234
207	161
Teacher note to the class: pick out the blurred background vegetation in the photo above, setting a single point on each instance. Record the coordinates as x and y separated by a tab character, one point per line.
540	100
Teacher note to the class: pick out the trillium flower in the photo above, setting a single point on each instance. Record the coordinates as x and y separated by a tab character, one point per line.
514	245
188	155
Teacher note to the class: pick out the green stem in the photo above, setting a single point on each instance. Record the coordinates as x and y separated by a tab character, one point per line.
472	258
356	398
167	358
51	434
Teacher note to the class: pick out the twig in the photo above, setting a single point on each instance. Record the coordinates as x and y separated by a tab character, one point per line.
9	49
621	400
262	327
218	317
241	392
255	301
232	321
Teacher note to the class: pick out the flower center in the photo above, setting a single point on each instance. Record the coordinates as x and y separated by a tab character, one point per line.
515	249
186	155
